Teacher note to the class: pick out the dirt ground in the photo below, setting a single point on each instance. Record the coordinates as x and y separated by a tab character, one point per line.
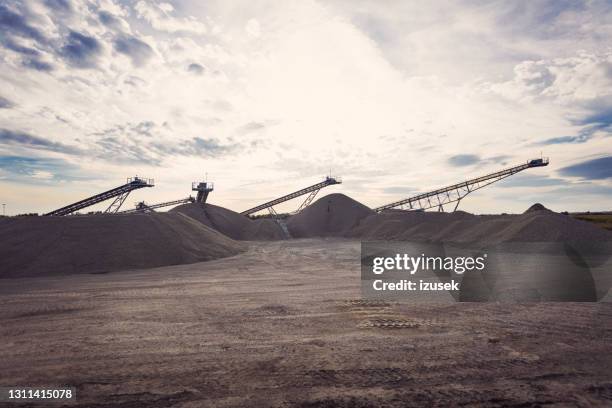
283	325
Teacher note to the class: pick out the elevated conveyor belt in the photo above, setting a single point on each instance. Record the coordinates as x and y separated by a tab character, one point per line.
143	207
118	193
456	192
313	190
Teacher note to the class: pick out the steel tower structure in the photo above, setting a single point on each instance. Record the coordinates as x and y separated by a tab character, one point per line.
203	188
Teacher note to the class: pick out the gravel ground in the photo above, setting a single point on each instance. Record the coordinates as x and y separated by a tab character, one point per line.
283	325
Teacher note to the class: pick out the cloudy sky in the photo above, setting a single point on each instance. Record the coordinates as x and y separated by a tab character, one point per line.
267	97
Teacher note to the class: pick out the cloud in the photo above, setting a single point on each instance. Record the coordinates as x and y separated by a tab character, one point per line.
585	196
160	18
37	65
138	50
530	180
61	6
81	51
144	128
27	166
147	142
154	153
533	77
12	45
252	28
582	189
42	175
467	40
462	160
599	120
109	19
19	35
195	69
601	117
5	103
9	137
130	130
595	169
584	135
142	142
581	79
540	20
563	140
37	170
405	191
199	146
251	127
121	150
13	23
211	147
579	86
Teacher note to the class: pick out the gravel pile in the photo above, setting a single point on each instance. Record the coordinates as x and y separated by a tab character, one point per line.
43	246
231	223
537	224
332	215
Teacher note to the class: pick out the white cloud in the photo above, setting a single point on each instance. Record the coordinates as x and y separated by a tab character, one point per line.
252	28
160	18
40	174
576	80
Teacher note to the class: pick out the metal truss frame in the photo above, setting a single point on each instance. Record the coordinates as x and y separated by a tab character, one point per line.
456	192
119	193
311	189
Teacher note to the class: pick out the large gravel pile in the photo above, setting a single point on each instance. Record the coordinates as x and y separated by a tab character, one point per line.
341	216
537	224
332	215
231	223
36	246
536	207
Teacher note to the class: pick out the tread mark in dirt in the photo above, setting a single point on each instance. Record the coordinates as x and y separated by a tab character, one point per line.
369	377
389	324
603	391
366	303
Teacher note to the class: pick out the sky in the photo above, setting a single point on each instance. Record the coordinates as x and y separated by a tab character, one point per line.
267	97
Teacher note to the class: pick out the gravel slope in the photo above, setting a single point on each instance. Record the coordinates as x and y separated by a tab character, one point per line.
38	246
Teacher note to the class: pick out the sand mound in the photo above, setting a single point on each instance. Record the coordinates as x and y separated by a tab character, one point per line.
334	214
339	215
412	225
231	223
225	221
459	227
549	226
536	207
265	229
37	246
